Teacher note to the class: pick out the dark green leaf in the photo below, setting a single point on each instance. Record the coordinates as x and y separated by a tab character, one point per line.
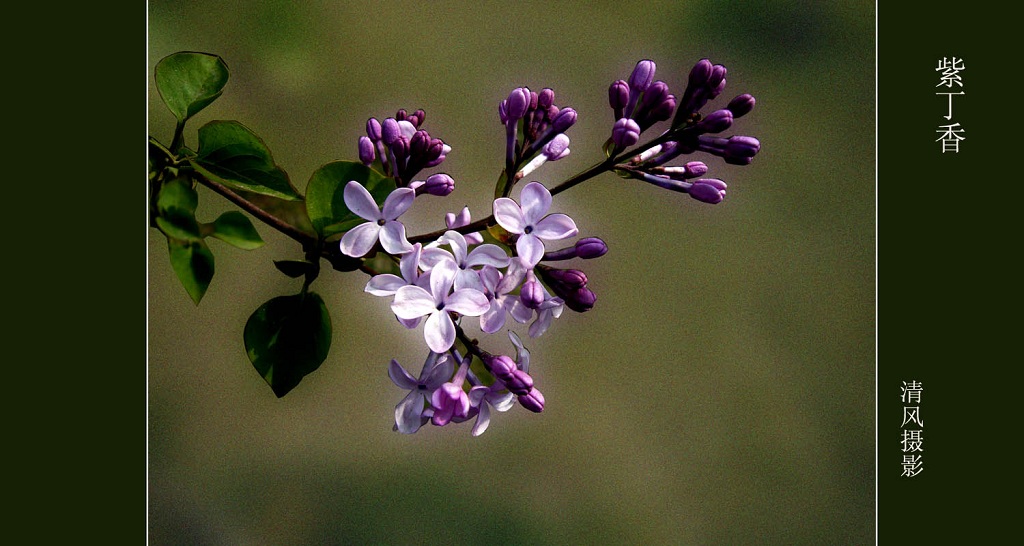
287	338
294	268
232	154
176	207
325	194
192	262
189	81
235	229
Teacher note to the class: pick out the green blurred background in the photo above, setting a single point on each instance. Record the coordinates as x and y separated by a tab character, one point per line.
720	392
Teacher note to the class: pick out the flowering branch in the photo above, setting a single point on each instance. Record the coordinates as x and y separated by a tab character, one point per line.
501	272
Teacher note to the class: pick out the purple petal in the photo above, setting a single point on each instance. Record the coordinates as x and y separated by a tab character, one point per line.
398	202
530	250
401	377
536	200
409	323
413	302
458	244
468	278
489	277
392	238
359	240
359	201
487	254
522	353
409	265
467	301
440	373
439	332
384	285
433	256
408	413
494	318
508	215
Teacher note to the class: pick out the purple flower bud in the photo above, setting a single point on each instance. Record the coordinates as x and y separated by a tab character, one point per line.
700	73
564	280
449	402
557	148
373	129
580	300
532	293
625	133
517	103
741	105
565	118
695	169
503	111
642	76
590	247
400	147
390	131
518	382
618	96
437	184
708	190
402	114
545	98
740	150
533	100
716	121
534	401
716	77
501	367
421	116
419	143
366	153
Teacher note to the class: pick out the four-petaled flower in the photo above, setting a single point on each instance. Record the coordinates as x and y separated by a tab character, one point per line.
439	331
465	259
437	369
532	223
383	224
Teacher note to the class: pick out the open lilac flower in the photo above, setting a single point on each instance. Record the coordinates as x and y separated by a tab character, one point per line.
532	223
483	399
409	413
382	224
450	401
497	288
439	331
387	284
465	259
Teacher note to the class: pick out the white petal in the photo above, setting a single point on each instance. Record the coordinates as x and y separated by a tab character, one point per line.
398	202
401	377
432	256
359	201
359	240
384	285
392	238
536	200
503	401
508	215
467	301
413	302
555	227
530	250
458	244
439	332
468	278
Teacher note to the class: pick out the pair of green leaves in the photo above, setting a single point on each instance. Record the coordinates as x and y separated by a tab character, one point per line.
287	337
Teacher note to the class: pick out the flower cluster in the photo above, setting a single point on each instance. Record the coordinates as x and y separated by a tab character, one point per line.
503	271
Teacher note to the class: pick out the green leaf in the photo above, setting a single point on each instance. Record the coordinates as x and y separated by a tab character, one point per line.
235	229
232	154
190	81
192	262
294	268
287	338
325	194
176	207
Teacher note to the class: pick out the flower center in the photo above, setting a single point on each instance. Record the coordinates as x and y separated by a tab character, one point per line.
381	222
527	230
